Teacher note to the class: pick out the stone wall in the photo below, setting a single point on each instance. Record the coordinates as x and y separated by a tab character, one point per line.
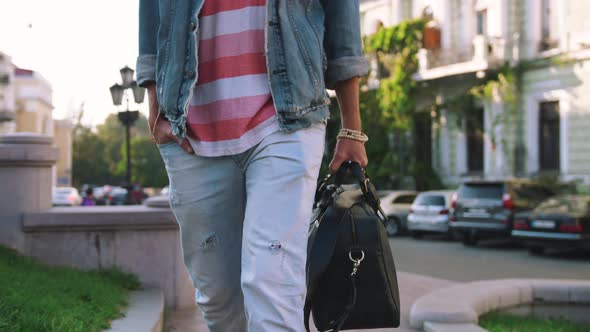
138	239
25	182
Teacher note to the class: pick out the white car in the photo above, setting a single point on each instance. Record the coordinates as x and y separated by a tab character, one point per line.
161	200
165	191
396	205
66	196
430	213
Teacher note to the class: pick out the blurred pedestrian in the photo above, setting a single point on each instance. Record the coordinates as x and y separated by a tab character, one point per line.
238	109
137	194
88	199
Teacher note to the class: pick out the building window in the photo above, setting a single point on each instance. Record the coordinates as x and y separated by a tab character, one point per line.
482	22
549	136
545	19
475	140
548	22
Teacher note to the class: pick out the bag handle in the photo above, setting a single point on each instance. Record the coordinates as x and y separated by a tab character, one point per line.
367	187
339	178
359	173
355	170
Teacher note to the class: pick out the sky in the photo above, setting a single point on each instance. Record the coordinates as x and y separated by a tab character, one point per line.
79	46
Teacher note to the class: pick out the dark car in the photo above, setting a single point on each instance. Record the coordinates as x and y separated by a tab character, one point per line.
559	222
101	195
485	209
118	196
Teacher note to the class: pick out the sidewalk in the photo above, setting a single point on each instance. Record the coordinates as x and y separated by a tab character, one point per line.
412	287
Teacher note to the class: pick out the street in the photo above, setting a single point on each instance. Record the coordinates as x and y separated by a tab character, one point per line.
435	257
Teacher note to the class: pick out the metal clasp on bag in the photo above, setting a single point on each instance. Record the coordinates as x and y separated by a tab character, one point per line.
366	185
356	262
373	200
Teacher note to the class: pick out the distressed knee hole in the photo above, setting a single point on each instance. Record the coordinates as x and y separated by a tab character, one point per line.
209	242
275	247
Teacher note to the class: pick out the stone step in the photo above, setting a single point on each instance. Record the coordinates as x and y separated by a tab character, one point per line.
144	314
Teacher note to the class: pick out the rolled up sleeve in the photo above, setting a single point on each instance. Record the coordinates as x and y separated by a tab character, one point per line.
149	21
342	41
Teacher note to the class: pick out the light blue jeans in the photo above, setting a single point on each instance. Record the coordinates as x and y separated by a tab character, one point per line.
243	225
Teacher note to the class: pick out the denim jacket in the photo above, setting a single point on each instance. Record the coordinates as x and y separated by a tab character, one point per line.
309	46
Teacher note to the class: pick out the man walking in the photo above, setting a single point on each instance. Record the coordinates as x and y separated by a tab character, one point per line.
238	109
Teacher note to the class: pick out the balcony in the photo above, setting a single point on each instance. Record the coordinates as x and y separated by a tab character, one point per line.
485	53
548	44
6	116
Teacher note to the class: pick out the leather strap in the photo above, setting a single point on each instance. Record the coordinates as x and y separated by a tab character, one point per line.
336	325
320	256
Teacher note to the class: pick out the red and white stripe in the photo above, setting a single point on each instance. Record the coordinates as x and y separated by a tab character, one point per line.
231	109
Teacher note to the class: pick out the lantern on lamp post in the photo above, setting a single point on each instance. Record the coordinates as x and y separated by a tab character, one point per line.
127	117
126	76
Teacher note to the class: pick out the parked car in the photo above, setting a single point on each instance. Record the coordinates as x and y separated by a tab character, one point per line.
117	196
101	195
430	213
66	196
165	191
380	193
396	205
485	209
558	222
160	200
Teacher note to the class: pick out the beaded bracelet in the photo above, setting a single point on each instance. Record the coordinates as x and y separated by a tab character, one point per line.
352	134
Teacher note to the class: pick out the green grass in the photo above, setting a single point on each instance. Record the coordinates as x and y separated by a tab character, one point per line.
40	298
501	322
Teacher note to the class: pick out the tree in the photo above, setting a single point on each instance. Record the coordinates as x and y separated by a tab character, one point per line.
394	110
99	158
113	134
146	162
88	166
381	158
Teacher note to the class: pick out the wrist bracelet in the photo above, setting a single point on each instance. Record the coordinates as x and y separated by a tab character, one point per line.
352	134
356	138
347	130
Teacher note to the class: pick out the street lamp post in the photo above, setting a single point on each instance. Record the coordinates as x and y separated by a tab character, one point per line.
127	117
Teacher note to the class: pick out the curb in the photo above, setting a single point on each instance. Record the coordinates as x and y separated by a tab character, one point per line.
144	314
441	327
458	307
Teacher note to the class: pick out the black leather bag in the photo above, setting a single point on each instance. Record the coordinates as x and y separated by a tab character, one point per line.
351	278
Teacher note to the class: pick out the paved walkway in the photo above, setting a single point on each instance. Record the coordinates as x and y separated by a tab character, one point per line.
412	286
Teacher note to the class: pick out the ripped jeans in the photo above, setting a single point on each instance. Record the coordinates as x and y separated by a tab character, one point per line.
243	225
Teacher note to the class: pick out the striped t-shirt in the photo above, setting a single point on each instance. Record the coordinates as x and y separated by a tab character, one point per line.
231	109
